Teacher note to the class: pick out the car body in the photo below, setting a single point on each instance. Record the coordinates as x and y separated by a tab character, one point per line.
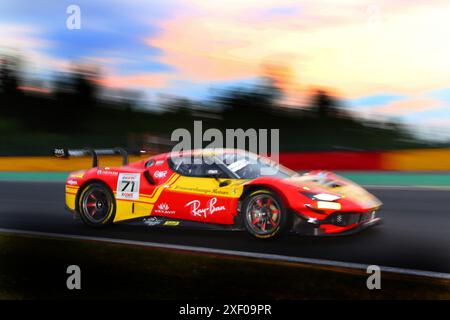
227	188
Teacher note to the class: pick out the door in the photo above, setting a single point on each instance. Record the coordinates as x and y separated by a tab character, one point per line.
202	192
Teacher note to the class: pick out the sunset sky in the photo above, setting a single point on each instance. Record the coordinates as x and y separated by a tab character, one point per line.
383	58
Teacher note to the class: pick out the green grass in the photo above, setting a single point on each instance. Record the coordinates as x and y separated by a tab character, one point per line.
33	176
35	268
399	178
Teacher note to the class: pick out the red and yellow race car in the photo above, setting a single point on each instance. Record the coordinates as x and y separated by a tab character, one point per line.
225	189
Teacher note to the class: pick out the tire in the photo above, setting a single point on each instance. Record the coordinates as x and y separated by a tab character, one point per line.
264	215
96	205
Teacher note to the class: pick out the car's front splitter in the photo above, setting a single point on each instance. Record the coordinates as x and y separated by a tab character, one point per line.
314	228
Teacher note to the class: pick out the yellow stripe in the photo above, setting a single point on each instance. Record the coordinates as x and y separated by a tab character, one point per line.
156	191
70	200
208	186
143	207
124	210
59	164
160	189
171	179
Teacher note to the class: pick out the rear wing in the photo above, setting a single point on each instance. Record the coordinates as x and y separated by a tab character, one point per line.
94	153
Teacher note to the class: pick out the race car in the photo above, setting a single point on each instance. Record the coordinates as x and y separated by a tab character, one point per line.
218	189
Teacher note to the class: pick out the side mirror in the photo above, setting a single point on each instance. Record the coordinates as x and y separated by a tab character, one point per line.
215	174
224	183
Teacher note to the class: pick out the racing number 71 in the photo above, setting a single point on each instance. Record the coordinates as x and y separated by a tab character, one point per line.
128	183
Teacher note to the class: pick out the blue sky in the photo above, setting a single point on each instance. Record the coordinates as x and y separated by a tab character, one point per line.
189	47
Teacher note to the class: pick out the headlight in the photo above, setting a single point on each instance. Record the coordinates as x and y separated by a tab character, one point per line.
326	197
328	205
321	196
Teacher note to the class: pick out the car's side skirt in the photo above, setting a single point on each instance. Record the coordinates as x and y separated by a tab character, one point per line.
157	221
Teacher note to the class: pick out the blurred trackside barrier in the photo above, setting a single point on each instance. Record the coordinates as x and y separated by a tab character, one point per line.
332	160
405	160
36	164
417	160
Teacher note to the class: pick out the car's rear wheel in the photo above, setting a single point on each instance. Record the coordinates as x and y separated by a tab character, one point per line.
96	205
264	215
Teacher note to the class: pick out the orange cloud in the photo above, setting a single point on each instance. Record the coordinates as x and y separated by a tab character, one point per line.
405	107
398	48
144	80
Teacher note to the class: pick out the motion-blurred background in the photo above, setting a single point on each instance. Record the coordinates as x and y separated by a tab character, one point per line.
352	85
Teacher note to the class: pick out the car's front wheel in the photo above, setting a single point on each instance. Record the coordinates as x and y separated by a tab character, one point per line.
264	215
96	205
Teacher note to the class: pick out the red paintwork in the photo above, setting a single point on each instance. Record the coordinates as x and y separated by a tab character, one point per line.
289	192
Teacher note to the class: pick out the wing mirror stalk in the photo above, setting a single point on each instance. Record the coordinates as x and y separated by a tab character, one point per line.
215	174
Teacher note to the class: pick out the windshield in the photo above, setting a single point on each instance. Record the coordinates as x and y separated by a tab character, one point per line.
251	166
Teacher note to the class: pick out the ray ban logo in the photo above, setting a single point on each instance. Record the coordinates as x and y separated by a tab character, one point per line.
251	140
209	209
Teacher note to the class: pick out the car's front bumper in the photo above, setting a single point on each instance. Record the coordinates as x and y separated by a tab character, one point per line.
305	226
358	228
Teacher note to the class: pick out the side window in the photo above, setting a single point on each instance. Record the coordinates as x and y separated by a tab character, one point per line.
188	167
205	170
180	165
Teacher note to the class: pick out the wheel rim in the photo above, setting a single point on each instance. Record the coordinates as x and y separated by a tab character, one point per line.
263	214
96	205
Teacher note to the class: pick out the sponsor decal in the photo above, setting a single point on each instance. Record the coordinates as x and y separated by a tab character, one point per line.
72	182
128	186
209	209
153	221
171	223
77	174
163	208
59	152
160	174
159	162
219	192
106	172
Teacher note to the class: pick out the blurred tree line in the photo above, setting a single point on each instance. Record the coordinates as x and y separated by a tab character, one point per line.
73	114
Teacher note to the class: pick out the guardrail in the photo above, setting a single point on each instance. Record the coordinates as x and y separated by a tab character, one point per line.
405	160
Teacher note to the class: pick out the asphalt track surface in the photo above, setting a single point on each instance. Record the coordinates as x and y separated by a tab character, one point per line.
415	233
